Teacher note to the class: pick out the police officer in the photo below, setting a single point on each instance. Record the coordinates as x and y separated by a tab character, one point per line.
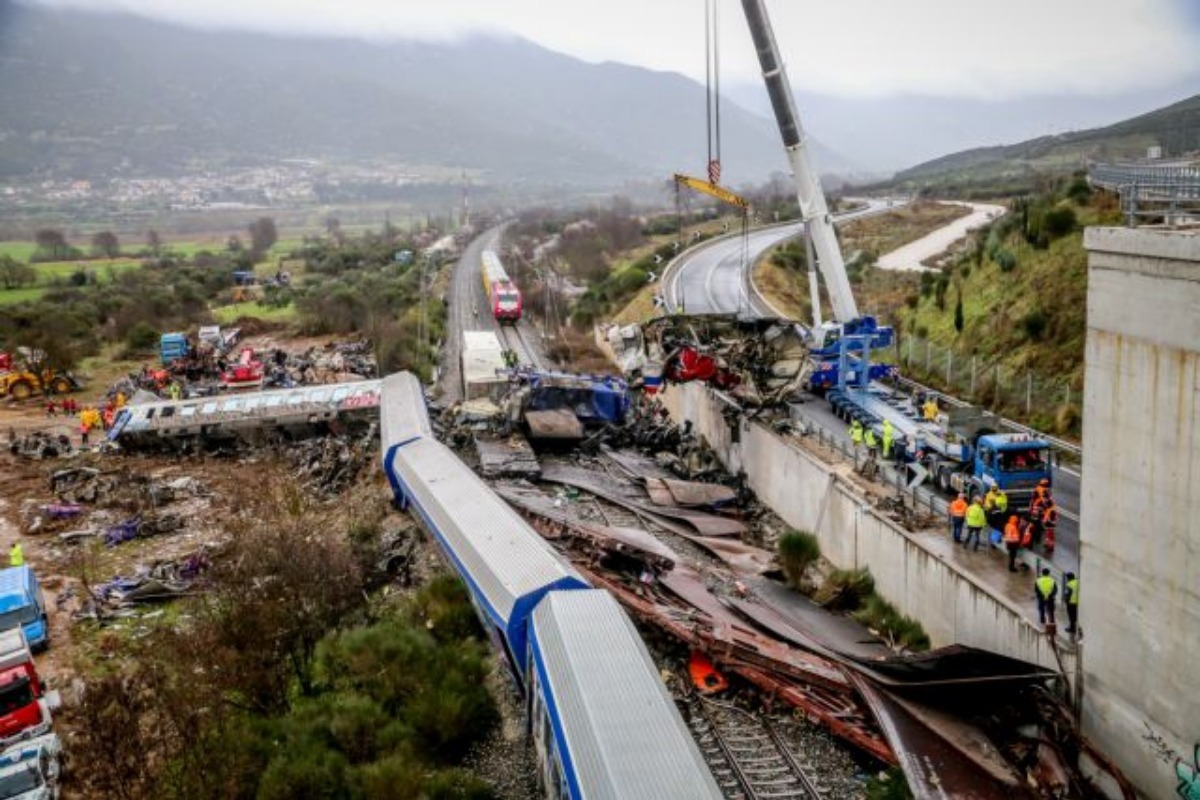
1045	590
1071	599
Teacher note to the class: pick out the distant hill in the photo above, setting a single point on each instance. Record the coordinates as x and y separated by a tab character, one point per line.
1175	128
93	95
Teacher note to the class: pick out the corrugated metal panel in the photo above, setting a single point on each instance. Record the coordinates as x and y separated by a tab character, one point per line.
624	734
505	558
402	414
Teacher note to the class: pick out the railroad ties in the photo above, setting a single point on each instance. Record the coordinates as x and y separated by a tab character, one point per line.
747	755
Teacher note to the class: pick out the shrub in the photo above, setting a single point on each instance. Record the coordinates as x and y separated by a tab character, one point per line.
141	337
1034	324
798	550
900	630
846	589
1005	259
1058	222
889	785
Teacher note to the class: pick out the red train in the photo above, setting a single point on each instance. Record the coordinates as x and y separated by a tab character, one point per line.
503	295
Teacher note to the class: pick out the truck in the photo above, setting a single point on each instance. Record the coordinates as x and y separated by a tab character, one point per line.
22	605
25	705
484	371
964	451
31	770
172	347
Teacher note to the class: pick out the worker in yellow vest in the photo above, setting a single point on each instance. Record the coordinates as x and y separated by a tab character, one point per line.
889	436
930	409
1045	590
1071	599
856	434
976	521
16	556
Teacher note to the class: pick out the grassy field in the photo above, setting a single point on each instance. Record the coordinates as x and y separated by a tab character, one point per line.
227	315
21	251
9	297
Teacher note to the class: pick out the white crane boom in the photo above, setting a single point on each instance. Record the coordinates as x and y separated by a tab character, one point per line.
814	212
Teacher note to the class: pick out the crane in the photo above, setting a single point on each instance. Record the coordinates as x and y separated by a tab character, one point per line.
848	328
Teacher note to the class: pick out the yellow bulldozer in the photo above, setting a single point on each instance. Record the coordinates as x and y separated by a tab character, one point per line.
22	384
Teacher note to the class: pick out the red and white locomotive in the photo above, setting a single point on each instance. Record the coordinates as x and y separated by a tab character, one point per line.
502	293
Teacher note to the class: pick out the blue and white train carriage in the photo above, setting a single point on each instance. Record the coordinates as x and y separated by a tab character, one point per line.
604	726
603	723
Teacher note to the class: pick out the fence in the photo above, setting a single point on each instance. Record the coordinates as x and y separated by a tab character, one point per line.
1042	402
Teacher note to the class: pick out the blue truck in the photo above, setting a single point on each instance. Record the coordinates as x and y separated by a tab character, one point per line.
22	603
172	347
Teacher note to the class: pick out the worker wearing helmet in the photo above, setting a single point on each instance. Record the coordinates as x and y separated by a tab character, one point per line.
1050	523
976	520
1012	541
930	409
856	434
888	436
958	515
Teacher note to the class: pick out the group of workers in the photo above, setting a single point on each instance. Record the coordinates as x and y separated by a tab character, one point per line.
1036	526
865	435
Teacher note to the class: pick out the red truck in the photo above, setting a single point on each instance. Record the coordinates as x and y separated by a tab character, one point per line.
24	704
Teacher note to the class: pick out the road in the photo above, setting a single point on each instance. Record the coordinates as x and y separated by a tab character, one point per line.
710	279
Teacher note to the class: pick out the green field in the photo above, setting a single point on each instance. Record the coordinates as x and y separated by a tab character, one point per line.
9	297
227	315
102	267
21	251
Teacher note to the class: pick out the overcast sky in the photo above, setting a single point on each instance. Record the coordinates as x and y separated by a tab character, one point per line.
962	48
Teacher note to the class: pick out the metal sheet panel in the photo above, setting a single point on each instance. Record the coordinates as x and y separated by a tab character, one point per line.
620	728
501	556
403	415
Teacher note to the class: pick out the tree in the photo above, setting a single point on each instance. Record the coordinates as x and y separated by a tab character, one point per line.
263	234
15	274
958	312
106	245
154	242
52	244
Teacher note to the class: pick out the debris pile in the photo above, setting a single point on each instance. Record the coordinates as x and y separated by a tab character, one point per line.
158	582
328	465
39	444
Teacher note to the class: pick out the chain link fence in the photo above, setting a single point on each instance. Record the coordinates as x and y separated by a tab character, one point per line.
1050	404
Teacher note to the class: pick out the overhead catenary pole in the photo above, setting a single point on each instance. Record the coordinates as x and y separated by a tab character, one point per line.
813	209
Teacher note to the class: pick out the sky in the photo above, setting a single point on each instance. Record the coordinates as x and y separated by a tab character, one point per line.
845	48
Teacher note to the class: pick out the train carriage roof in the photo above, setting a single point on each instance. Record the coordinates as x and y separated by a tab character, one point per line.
625	739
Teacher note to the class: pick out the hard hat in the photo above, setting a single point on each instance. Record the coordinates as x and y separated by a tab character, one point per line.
1044	482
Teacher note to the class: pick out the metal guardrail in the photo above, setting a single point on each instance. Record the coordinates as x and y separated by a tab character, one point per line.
1172	190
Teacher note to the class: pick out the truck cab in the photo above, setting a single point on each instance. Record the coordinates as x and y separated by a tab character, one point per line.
30	770
23	606
24	705
1015	462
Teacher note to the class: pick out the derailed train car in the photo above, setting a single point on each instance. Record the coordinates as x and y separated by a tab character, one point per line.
603	724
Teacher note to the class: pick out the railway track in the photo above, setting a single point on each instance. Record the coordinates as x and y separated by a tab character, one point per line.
748	756
514	338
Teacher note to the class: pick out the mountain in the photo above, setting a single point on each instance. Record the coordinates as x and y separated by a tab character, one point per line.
893	132
1176	129
92	95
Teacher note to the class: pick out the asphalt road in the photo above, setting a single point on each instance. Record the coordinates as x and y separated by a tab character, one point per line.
711	278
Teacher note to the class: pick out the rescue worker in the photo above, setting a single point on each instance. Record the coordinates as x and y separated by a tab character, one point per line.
888	436
856	434
1071	599
976	521
930	409
995	505
1037	508
16	556
958	515
83	434
1012	541
1049	523
175	390
1045	589
871	442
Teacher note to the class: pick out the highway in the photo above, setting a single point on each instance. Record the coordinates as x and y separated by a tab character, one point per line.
710	279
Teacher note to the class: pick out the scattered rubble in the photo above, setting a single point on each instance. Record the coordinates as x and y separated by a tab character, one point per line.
39	445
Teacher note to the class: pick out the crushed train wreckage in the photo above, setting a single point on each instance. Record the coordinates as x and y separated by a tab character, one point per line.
960	721
759	361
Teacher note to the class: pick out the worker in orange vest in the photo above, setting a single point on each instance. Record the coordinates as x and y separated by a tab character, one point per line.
1037	507
958	515
1012	541
1050	523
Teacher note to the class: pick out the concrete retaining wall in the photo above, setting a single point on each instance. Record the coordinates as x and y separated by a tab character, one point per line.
1140	527
811	495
